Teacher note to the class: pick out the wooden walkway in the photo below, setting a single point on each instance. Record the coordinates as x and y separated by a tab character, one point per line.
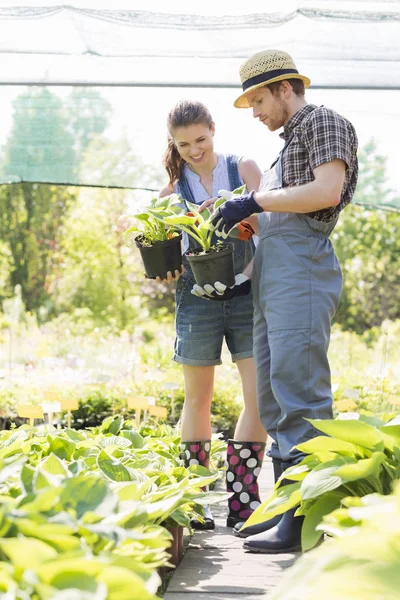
215	566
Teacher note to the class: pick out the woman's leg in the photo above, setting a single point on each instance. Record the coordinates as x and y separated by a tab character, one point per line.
245	452
249	426
196	425
196	414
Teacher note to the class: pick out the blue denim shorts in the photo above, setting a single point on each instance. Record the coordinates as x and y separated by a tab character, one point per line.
202	326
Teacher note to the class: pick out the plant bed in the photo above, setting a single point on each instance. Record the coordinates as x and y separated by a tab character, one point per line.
160	257
216	264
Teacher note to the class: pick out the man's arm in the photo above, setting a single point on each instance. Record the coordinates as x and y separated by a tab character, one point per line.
325	191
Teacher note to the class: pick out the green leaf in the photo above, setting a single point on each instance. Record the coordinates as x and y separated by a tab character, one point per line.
27	474
27	552
62	447
363	468
323	506
134	437
113	440
44	501
60	537
53	465
134	490
322	479
116	425
323	443
124	585
112	467
281	500
83	493
351	430
181	220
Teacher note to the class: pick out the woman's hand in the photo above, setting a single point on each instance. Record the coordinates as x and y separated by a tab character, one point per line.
170	277
208	204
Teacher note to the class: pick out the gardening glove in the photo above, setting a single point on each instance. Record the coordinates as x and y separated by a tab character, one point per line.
233	212
221	292
243	231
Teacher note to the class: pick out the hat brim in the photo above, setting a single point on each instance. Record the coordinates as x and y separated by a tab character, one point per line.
242	102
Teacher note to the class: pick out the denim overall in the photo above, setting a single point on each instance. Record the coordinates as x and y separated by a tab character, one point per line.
202	326
296	285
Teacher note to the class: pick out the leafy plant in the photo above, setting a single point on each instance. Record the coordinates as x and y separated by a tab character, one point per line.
354	457
362	560
153	226
199	225
84	513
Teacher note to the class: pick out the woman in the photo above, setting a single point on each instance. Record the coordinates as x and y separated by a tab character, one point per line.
197	173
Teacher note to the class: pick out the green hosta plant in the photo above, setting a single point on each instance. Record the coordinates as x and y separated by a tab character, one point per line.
152	227
354	457
83	514
361	562
199	225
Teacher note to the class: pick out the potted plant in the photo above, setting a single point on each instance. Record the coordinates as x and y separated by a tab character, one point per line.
212	260
159	243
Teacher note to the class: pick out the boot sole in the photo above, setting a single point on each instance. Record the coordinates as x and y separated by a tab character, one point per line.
231	522
208	525
253	550
240	534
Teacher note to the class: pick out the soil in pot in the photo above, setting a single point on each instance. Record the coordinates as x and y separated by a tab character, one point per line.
216	265
161	257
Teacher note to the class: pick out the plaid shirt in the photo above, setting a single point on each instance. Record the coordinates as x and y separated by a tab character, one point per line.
319	136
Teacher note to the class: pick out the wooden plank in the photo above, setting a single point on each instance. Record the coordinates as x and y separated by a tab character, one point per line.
140	402
51	396
69	404
216	567
158	411
30	411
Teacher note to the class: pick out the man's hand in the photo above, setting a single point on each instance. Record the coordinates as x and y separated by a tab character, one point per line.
221	292
233	212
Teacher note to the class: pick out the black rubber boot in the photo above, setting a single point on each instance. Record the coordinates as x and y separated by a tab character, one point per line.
260	527
198	453
284	537
244	465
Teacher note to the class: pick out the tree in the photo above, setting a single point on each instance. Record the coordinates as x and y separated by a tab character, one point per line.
39	149
89	114
367	243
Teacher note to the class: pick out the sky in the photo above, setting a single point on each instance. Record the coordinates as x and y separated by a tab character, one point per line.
140	113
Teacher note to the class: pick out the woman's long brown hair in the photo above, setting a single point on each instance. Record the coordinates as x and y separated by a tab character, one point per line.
185	113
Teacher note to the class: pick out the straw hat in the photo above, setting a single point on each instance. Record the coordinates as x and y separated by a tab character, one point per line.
266	67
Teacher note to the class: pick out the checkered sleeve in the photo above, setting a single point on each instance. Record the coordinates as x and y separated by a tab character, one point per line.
326	136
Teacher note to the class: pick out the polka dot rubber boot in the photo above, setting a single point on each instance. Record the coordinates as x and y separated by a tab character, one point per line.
198	453
244	462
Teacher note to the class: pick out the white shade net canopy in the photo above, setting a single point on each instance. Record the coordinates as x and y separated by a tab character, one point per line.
73	75
345	44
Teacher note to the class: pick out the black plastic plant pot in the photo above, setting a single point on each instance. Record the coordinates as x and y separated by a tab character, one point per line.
213	266
161	257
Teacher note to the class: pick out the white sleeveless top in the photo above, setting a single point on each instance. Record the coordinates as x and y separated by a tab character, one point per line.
220	180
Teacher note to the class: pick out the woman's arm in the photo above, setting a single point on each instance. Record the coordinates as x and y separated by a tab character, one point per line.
166	191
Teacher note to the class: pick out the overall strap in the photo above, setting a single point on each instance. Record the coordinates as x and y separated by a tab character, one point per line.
186	192
233	171
283	149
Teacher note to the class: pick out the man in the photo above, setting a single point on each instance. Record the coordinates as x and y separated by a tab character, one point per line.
296	278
